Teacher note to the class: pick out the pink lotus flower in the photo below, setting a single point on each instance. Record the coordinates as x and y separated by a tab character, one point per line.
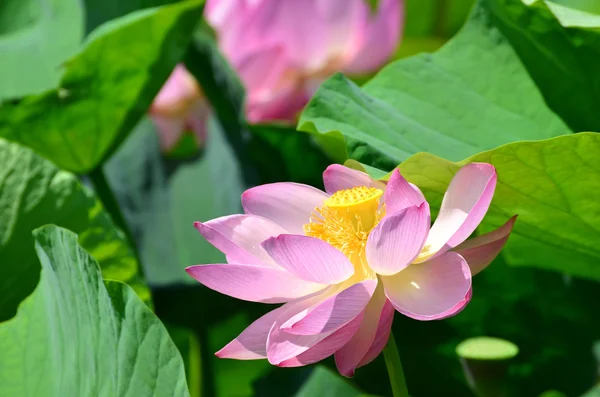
280	57
283	49
179	107
343	260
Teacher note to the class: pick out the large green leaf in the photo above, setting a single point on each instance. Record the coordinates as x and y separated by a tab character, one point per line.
33	192
589	6
471	95
324	382
189	346
595	392
105	90
560	47
552	185
441	18
79	336
36	38
99	11
430	23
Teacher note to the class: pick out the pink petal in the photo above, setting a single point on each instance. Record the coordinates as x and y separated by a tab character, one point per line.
282	104
281	345
344	22
253	283
397	239
337	177
178	93
275	23
285	22
251	344
262	70
309	258
197	121
350	355
274	91
481	251
384	329
401	194
239	237
464	205
169	129
380	37
427	291
230	19
289	205
219	12
333	312
178	104
459	307
327	346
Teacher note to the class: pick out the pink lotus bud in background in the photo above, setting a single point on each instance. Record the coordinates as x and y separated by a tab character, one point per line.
342	260
283	49
179	107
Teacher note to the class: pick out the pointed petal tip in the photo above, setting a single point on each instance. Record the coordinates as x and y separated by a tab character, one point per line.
247	192
339	177
273	241
203	228
292	326
344	370
270	241
332	167
288	326
224	353
480	251
401	194
277	363
189	269
510	223
482	166
347	373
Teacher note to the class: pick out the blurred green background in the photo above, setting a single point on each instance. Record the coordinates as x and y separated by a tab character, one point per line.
552	316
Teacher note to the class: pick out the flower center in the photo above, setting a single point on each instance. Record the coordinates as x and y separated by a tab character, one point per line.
345	221
359	205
